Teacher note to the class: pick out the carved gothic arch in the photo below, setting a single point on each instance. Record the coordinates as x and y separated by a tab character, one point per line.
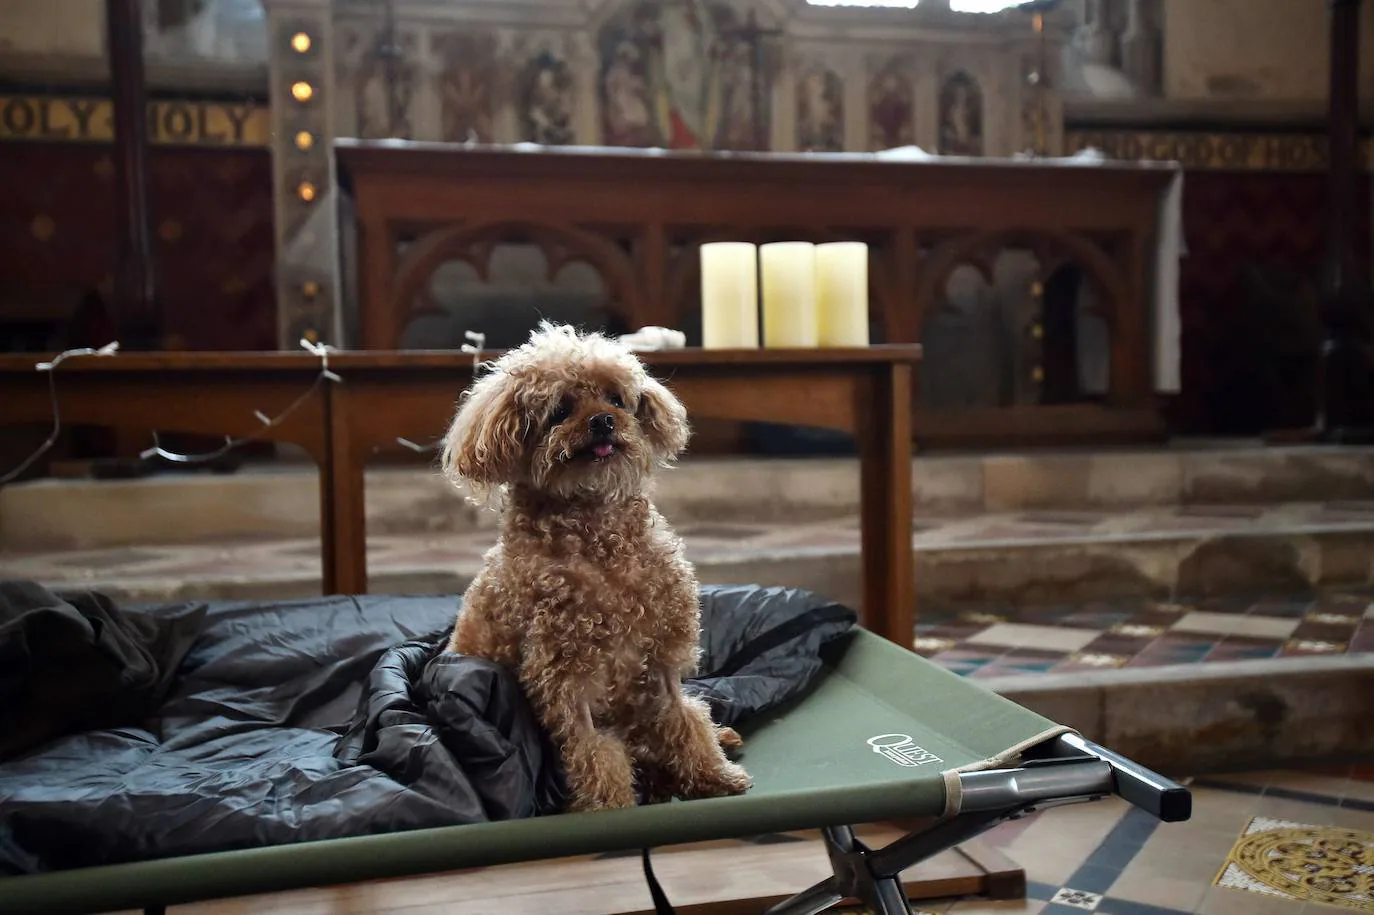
1051	248
474	243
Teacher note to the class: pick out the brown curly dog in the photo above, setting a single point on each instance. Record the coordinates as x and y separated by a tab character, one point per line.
587	595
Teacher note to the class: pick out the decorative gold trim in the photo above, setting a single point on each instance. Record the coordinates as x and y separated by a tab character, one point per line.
1317	864
1210	150
77	119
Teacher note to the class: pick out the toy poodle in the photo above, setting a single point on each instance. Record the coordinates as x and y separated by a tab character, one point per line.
586	595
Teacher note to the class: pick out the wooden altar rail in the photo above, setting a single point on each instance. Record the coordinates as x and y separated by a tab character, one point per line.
637	219
383	396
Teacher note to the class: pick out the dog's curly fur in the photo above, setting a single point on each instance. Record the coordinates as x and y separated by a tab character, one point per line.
587	595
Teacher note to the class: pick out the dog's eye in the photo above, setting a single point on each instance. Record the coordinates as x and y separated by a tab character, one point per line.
616	400
561	412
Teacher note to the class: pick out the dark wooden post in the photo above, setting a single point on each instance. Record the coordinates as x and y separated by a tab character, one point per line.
1345	387
1341	266
135	294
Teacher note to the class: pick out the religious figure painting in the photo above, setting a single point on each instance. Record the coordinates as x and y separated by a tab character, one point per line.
546	101
820	111
679	74
466	80
382	86
891	107
739	129
961	116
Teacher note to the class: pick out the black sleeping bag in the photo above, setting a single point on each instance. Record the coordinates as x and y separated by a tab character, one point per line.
246	724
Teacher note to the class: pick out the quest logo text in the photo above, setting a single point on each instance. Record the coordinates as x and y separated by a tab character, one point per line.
902	750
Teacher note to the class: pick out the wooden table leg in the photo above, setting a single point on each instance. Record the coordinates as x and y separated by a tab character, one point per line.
343	535
884	440
328	546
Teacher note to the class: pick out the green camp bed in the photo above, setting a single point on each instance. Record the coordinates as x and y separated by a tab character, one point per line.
884	735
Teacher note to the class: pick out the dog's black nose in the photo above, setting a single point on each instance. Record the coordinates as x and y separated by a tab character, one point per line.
602	424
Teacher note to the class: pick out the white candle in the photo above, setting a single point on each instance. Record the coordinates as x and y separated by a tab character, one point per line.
842	293
729	295
789	293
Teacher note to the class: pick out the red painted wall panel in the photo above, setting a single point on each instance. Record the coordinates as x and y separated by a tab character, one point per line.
212	233
1255	248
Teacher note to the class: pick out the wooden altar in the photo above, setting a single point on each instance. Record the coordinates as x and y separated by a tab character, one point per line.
638	216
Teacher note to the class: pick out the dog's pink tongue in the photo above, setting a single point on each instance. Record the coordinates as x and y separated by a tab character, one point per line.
603	450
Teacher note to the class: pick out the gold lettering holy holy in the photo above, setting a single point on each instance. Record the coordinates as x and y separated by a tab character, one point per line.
91	120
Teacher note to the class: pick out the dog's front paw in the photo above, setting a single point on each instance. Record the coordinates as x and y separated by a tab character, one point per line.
602	793
724	780
600	776
728	738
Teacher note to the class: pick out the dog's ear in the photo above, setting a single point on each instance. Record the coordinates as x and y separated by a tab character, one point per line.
486	439
664	420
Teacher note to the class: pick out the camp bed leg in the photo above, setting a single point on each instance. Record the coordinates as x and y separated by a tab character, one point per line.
873	876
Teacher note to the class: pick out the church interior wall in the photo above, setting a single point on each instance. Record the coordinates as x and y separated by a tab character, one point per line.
1219	85
59	28
1266	50
1272	50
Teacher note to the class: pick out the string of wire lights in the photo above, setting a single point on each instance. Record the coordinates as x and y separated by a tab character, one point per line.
109	349
230	442
475	346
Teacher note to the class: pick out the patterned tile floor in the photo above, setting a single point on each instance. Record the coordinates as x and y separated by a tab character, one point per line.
980	641
998	641
1113	859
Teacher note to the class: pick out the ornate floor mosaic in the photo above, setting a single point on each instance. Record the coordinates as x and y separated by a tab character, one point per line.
1322	864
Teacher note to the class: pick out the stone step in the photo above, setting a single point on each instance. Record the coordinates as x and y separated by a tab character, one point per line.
281	500
1194	719
1017	558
